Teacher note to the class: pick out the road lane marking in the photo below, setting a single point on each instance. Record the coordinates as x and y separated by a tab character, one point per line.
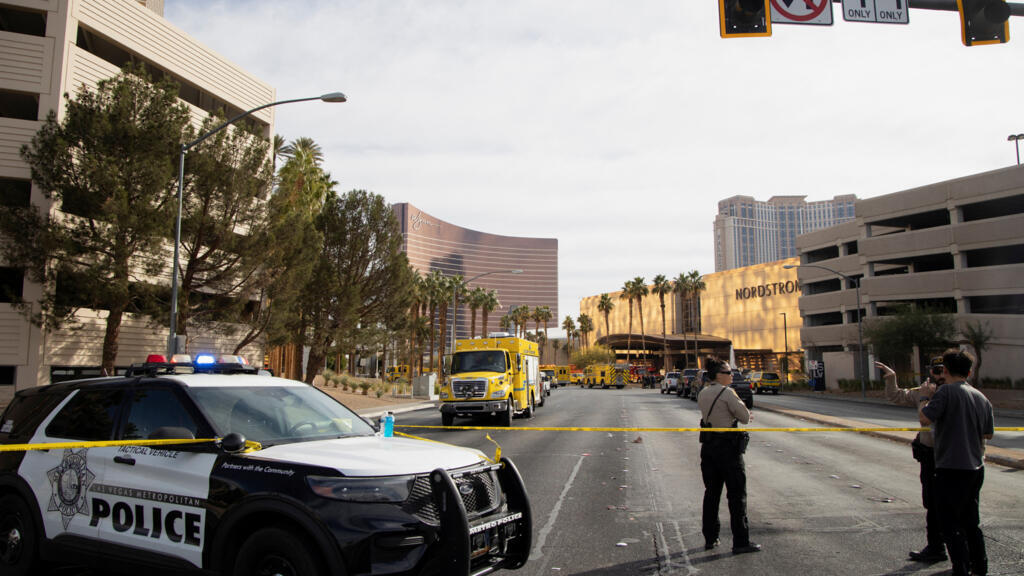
542	536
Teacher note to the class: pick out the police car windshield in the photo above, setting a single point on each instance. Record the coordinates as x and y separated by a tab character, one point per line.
278	414
479	361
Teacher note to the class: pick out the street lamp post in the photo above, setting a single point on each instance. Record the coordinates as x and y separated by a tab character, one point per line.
785	354
1016	138
455	297
860	328
172	340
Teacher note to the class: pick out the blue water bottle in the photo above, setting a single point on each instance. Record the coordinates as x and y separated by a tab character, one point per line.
388	424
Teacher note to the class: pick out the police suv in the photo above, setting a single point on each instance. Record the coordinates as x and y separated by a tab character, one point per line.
323	492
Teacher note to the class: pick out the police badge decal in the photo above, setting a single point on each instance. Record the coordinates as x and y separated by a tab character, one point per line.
69	483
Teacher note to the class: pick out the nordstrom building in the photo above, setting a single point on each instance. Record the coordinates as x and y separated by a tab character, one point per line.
748	314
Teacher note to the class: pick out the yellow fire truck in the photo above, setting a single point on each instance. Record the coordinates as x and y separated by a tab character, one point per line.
395	372
559	374
497	376
597	375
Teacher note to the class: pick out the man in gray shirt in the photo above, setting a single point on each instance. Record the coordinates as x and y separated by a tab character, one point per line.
961	418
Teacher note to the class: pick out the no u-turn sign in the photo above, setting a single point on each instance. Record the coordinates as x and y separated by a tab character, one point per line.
817	12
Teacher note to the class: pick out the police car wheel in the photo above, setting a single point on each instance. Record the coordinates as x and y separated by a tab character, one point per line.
17	538
276	552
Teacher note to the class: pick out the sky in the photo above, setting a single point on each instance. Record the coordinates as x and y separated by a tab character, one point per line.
616	127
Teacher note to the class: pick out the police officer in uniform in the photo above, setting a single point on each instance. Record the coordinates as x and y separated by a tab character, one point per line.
721	458
923	448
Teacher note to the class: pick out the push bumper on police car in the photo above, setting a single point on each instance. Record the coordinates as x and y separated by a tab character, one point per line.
500	540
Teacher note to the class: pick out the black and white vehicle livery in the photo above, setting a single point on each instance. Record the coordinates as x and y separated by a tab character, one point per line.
325	494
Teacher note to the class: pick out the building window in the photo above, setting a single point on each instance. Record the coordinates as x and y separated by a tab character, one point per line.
998	256
7	374
993	208
19	105
825	319
999	304
15	192
822	254
851	247
12	281
21	21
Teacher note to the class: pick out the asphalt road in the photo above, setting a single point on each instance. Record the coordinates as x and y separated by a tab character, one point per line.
629	503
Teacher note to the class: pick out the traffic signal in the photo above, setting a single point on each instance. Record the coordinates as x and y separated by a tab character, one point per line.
984	21
740	18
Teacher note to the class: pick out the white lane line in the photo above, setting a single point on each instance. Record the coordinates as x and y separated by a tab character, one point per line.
542	536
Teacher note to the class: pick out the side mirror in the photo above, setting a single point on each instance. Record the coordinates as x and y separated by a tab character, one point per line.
233	443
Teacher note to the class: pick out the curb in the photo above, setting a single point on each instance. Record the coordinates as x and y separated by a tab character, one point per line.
994	454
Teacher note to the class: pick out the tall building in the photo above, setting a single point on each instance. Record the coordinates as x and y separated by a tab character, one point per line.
52	47
433	244
749	232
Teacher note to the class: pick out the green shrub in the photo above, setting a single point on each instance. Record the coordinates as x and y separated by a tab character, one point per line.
365	388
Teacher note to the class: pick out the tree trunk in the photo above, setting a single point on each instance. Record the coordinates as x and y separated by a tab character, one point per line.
664	343
110	340
314	365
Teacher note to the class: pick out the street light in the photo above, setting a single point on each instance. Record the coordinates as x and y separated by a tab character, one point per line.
455	297
1016	138
785	356
171	340
860	328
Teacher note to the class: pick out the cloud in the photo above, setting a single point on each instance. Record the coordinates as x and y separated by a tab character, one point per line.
617	126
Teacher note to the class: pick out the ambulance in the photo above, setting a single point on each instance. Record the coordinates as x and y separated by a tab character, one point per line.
497	376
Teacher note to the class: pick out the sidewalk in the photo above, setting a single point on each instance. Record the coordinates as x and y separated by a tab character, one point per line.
1002	456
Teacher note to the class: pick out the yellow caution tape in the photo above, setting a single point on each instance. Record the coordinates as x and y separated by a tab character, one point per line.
250	445
591	429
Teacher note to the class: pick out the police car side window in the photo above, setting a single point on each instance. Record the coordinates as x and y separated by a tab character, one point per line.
90	415
155	408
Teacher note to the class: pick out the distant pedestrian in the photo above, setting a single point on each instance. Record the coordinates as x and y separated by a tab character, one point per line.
923	449
961	418
721	458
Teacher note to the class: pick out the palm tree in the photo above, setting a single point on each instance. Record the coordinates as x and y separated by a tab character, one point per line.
433	286
570	327
488	305
979	336
586	327
627	294
639	292
681	286
661	287
447	288
522	319
542	315
696	285
506	322
605	306
475	300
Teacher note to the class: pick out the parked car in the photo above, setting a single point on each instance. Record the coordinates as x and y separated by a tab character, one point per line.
670	383
742	387
545	381
689	375
698	384
766	382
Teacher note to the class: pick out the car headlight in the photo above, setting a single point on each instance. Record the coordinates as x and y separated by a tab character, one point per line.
369	489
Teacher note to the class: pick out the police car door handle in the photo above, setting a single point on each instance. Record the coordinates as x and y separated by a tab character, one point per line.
124	460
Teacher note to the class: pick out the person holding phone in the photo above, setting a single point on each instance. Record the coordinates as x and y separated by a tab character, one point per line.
923	449
961	419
